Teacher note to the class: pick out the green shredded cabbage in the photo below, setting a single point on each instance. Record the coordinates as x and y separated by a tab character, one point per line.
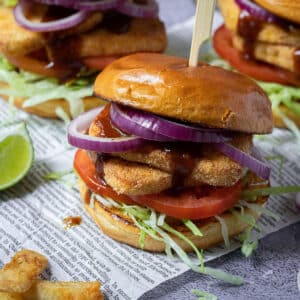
260	209
188	241
248	219
224	231
62	115
221	275
192	227
142	238
67	177
10	3
38	89
202	295
153	224
274	190
248	247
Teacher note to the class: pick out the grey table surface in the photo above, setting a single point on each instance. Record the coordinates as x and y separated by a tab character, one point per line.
271	272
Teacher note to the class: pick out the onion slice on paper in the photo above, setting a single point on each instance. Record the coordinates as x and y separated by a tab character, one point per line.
152	127
255	164
81	124
50	26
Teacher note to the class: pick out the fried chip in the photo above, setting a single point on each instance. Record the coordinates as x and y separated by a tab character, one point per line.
18	275
47	290
10	296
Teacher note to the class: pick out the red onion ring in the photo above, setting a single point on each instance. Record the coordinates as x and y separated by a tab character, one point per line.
78	139
64	3
152	127
99	5
85	5
61	24
259	12
255	164
149	10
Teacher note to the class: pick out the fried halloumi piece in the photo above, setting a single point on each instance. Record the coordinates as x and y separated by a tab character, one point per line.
134	178
18	275
15	40
139	172
150	169
278	55
47	290
10	296
269	33
143	35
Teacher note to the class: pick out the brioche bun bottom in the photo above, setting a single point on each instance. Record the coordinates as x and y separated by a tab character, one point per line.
47	109
115	224
291	115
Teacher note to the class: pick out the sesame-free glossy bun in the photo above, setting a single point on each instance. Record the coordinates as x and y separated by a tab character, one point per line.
206	95
115	224
288	9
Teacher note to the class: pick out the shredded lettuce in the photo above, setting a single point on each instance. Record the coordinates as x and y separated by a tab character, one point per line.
142	238
246	218
10	3
38	89
202	295
260	209
67	177
248	246
274	190
224	231
153	224
62	115
192	227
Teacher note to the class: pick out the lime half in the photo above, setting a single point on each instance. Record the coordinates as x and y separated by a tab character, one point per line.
16	154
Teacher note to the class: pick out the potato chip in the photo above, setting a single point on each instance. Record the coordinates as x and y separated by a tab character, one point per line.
10	296
20	273
47	290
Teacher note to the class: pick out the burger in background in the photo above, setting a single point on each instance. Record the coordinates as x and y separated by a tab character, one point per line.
51	50
261	39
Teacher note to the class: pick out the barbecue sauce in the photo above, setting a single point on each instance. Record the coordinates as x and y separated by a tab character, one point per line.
72	221
297	60
104	126
249	28
183	161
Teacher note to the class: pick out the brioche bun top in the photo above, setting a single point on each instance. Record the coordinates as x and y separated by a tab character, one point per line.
288	9
205	95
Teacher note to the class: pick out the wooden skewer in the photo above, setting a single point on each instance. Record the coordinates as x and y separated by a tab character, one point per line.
202	28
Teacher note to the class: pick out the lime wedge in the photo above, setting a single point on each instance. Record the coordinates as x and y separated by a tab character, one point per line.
16	154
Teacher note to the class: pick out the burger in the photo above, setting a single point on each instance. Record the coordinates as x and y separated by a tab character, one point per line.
164	164
51	51
261	39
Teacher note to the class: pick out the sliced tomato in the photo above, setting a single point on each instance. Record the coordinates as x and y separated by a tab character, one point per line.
198	203
258	70
99	62
37	66
86	169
